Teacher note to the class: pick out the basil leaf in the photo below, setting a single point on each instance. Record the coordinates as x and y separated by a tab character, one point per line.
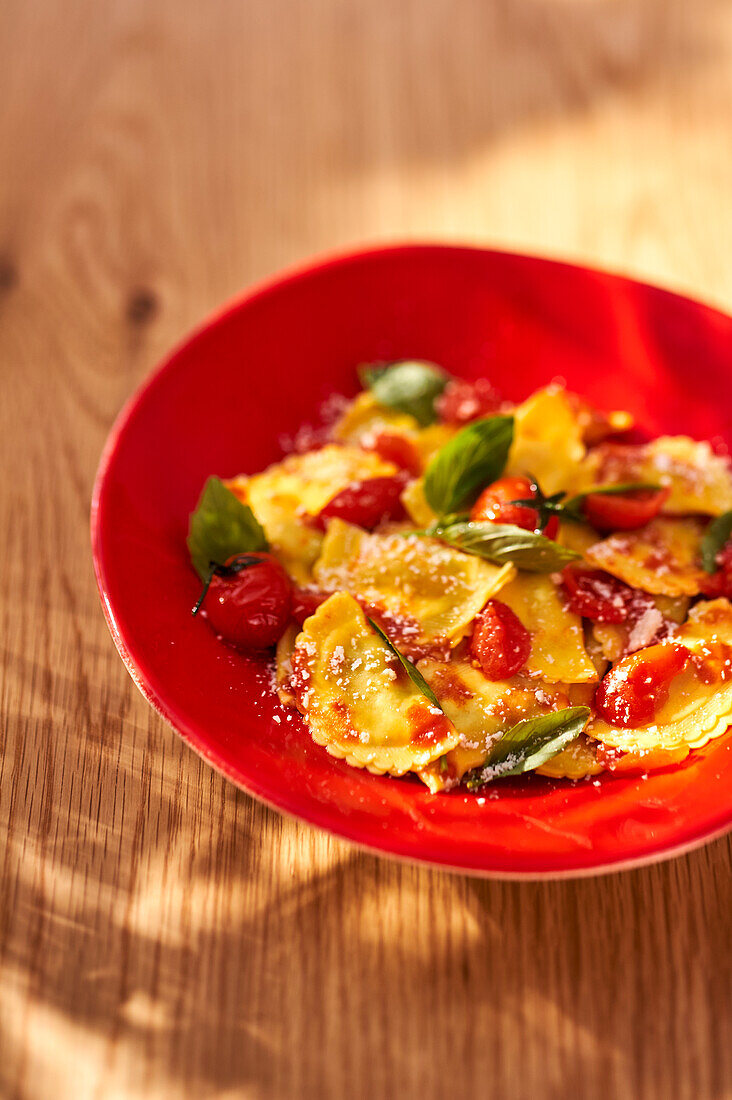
410	386
573	505
715	536
529	744
220	527
502	542
412	672
473	458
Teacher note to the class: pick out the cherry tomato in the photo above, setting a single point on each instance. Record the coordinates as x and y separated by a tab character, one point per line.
365	503
599	596
501	643
463	401
306	601
395	448
636	688
494	506
611	512
596	425
720	583
248	602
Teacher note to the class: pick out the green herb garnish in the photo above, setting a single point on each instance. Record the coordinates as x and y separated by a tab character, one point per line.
473	458
411	670
715	536
503	542
220	527
529	744
411	386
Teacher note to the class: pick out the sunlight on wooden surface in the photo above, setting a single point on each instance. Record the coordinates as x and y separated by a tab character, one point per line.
161	935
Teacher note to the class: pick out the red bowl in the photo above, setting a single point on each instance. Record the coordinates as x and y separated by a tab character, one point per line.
261	368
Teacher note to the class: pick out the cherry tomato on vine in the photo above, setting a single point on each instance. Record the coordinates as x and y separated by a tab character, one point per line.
616	512
501	643
248	600
494	505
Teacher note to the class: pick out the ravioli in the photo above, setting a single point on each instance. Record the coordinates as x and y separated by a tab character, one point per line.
699	480
432	591
648	761
285	493
547	440
415	504
699	704
596	425
693	714
612	639
357	700
365	416
708	620
617	639
576	760
558	653
357	692
482	711
577	536
661	558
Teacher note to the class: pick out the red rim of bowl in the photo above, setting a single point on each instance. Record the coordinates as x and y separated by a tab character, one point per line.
689	838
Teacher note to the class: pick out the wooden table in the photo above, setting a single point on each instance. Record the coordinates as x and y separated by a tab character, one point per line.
161	934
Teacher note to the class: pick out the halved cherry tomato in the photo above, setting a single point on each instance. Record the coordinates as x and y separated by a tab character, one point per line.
611	512
395	448
635	689
720	583
597	425
249	602
365	503
501	643
494	506
601	597
461	401
306	601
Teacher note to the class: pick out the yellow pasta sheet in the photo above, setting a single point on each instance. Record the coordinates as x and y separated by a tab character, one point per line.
695	711
285	493
661	558
356	698
364	419
483	710
699	480
420	580
558	653
547	440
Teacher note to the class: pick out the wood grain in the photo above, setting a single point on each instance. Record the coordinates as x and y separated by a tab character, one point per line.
161	935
